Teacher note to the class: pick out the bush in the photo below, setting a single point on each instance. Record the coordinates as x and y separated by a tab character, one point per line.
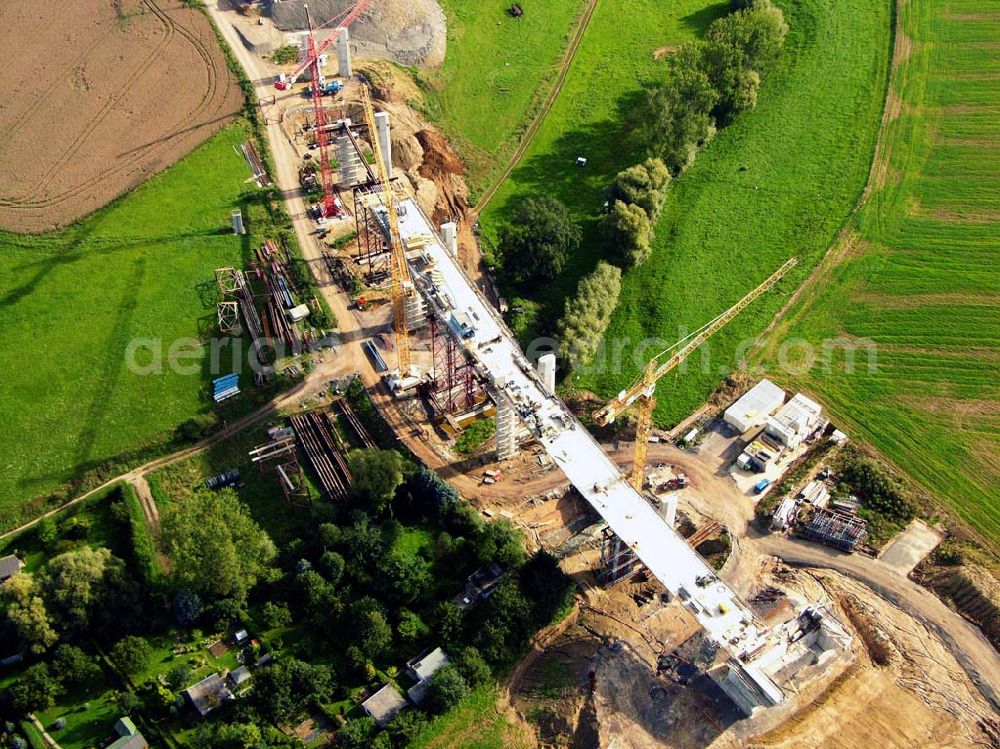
285	54
628	231
587	315
535	244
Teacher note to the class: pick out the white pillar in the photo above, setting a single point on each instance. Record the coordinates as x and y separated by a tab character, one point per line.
669	508
547	371
449	233
344	52
506	419
382	126
350	164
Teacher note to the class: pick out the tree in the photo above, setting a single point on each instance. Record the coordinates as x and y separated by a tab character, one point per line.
447	689
276	615
272	691
405	726
74	667
410	627
215	546
131	654
27	614
377	474
540	237
357	733
178	677
47	531
505	622
473	667
587	315
331	564
679	109
71	582
448	623
547	586
740	46
187	608
35	689
629	232
500	542
644	185
376	635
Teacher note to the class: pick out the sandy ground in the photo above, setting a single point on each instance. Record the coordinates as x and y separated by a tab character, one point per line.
97	96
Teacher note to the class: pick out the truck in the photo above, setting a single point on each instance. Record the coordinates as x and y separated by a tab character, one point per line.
326	89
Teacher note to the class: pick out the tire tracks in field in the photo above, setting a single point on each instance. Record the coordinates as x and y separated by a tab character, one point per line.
142	153
536	123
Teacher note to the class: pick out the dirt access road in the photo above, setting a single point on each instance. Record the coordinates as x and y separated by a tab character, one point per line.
99	96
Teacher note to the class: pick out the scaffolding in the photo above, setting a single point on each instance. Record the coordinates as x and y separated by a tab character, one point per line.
229	317
837	529
618	561
506	428
373	233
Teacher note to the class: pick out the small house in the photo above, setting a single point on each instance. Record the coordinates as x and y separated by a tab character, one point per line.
754	407
241	636
383	705
238	676
208	694
421	669
9	566
480	585
128	735
795	421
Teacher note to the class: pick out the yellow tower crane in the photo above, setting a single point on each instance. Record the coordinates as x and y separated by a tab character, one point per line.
644	388
399	273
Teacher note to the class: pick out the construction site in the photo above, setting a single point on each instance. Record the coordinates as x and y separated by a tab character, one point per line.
660	635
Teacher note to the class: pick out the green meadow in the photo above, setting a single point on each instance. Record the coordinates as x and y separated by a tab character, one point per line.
72	301
917	282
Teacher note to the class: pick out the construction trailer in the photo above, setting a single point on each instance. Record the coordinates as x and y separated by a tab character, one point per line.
755	406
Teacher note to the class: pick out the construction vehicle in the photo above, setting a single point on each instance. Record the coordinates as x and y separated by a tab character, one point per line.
401	283
644	388
329	88
307	177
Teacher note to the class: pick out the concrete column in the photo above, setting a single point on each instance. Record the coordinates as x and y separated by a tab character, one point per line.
668	508
344	52
449	233
547	371
382	126
506	420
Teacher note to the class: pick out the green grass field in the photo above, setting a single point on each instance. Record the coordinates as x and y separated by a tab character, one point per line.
496	73
476	723
70	303
918	275
779	181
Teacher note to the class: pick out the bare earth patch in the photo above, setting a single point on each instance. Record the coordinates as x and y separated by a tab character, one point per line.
95	97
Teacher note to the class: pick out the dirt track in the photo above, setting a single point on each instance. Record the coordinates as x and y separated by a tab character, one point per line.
98	96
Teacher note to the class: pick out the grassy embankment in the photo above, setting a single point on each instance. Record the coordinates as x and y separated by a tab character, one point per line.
75	299
496	74
916	272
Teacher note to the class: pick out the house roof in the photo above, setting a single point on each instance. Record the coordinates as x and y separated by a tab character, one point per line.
9	566
423	666
239	676
125	727
384	704
208	694
134	741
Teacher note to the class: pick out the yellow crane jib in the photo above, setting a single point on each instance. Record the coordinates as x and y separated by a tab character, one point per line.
644	388
399	273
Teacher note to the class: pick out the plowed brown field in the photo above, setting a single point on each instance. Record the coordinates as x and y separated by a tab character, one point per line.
96	96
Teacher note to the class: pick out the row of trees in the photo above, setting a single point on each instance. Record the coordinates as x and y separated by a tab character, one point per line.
708	83
587	314
637	195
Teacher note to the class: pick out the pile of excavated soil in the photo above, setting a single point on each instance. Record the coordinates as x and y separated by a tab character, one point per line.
96	96
411	32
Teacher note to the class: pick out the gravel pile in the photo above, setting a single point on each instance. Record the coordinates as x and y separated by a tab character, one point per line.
410	32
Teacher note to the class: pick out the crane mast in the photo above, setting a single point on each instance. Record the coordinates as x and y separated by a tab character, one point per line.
400	275
644	388
319	114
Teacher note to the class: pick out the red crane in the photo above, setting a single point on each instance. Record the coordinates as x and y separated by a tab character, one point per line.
311	61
